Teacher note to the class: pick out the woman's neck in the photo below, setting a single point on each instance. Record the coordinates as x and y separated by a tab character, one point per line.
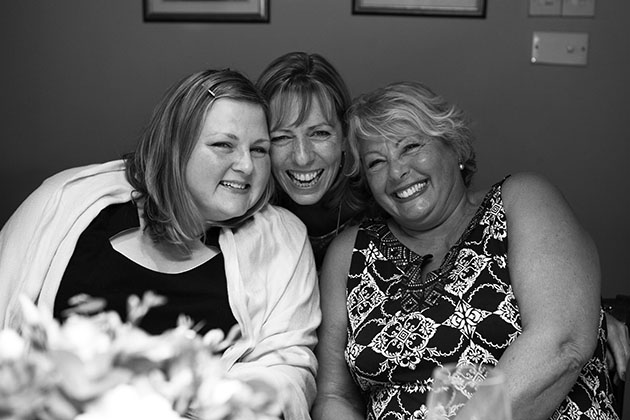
137	245
438	239
319	220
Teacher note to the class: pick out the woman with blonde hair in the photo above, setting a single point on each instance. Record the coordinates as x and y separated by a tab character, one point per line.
446	274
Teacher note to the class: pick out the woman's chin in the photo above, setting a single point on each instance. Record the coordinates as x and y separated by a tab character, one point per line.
306	198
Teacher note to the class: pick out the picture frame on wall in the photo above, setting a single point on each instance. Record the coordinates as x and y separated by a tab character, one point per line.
206	10
464	8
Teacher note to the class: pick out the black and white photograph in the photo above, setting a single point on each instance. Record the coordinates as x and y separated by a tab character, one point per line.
314	210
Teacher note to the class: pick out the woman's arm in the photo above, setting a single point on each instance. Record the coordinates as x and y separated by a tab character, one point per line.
274	294
337	395
618	347
554	269
38	240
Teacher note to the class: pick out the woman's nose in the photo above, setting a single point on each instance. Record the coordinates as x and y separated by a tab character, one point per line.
398	168
243	162
302	151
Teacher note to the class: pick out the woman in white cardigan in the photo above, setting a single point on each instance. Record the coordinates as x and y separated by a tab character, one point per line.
200	171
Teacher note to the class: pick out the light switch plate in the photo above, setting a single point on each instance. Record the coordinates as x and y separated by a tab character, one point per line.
565	48
578	8
545	7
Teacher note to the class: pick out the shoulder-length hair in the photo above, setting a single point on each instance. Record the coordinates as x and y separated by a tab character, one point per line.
410	109
157	167
296	79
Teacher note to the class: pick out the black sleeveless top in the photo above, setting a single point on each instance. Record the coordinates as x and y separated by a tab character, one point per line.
402	326
98	270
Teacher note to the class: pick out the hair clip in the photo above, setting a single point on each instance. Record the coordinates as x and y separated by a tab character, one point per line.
209	87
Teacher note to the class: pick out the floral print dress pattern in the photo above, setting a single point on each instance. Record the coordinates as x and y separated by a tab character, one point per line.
402	326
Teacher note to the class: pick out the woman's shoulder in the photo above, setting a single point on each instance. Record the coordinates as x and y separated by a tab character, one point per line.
63	177
347	236
524	185
338	257
56	187
272	211
342	246
280	221
531	193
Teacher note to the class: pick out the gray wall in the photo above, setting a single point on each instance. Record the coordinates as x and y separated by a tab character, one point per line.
79	78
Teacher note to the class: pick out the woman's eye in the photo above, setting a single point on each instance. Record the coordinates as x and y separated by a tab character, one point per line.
372	164
260	151
222	145
411	147
321	134
280	138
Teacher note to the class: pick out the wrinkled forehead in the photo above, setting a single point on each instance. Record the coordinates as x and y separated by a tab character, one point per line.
292	108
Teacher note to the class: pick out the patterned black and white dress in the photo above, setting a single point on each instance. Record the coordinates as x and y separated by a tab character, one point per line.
401	327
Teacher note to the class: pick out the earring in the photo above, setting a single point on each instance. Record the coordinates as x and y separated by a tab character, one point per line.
461	166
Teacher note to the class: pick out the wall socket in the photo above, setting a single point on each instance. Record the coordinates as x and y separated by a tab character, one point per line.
545	7
578	8
564	48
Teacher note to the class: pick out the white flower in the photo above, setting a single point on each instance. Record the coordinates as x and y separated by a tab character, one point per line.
83	337
96	367
25	385
128	402
134	342
12	346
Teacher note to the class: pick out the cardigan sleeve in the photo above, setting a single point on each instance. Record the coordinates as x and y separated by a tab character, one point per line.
282	303
16	240
38	239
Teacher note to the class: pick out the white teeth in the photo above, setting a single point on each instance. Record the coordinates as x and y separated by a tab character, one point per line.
411	190
305	179
234	185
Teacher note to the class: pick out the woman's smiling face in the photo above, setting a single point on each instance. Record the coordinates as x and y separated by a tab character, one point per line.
229	167
415	180
306	157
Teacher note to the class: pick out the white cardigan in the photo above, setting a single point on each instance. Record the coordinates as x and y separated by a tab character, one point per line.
271	275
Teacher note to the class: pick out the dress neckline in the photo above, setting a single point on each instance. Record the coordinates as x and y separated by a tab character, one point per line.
413	262
415	291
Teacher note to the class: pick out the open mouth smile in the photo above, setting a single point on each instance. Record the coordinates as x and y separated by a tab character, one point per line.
305	179
233	185
411	191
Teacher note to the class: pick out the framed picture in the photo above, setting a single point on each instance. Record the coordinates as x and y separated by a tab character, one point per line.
471	8
206	10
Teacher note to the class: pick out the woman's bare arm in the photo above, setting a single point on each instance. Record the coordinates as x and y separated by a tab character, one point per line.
554	269
337	395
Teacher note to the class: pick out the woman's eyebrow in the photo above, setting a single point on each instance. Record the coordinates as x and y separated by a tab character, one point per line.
227	134
326	123
263	140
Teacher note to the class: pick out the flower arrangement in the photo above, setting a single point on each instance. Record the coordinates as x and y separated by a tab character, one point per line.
94	366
